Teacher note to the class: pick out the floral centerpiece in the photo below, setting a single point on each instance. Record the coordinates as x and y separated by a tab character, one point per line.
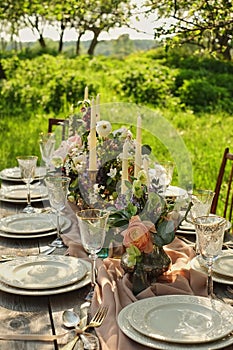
141	218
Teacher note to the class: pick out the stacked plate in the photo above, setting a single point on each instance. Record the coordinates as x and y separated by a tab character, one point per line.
44	275
222	268
13	174
18	194
176	322
31	225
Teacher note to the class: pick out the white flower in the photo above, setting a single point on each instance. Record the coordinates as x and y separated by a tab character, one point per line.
112	172
103	128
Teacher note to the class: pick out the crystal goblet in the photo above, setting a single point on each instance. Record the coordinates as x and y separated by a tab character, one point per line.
57	191
27	166
201	203
93	226
47	146
210	233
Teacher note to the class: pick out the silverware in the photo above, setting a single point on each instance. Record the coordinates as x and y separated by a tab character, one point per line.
96	320
70	319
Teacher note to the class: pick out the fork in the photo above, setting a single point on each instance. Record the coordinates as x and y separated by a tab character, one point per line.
96	320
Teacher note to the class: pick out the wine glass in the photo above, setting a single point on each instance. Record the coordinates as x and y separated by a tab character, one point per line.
201	203
47	146
210	233
27	166
57	191
93	226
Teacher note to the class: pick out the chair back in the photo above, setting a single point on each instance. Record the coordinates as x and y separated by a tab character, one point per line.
56	122
224	190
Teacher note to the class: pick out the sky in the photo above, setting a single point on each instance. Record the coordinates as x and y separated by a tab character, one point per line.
144	31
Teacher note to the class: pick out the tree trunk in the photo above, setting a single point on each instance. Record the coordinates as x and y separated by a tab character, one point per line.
42	41
78	44
94	42
2	73
60	46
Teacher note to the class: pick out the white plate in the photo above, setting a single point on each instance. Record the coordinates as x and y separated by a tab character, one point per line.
13	174
188	228
224	265
42	272
40	292
174	191
182	318
31	223
195	264
128	330
20	192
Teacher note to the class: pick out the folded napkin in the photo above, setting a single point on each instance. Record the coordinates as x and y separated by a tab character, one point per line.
115	289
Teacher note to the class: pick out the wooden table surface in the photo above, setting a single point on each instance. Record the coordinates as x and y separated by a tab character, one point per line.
41	314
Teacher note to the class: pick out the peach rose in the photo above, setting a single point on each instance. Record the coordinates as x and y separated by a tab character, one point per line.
138	234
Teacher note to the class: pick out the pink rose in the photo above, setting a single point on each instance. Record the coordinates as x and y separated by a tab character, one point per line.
138	234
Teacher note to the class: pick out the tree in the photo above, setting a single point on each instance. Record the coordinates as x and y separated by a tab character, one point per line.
206	23
102	15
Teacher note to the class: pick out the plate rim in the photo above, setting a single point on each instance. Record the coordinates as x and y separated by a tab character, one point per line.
218	271
70	262
45	292
216	277
24	216
176	300
128	330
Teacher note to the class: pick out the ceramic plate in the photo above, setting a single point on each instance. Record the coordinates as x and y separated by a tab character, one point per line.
20	192
195	264
174	191
224	265
42	272
128	330
14	173
182	318
51	291
30	223
27	236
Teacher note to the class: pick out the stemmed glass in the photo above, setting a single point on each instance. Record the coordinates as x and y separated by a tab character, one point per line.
210	233
57	191
93	226
47	146
27	166
201	203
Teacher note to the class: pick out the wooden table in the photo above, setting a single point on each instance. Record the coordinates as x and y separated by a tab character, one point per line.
41	314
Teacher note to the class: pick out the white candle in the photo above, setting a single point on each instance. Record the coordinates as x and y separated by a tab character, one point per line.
98	107
86	93
138	154
124	174
145	164
92	139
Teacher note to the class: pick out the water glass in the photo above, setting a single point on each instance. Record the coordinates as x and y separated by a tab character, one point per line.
210	233
47	146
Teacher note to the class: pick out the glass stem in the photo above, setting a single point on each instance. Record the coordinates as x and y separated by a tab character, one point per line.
210	287
58	225
28	194
93	272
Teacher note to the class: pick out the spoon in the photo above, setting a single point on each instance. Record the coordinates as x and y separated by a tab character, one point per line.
70	319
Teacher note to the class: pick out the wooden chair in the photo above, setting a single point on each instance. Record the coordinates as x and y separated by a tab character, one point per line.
223	197
56	122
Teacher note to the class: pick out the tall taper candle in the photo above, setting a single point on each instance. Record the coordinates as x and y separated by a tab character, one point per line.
98	107
124	173
138	151
86	93
92	139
